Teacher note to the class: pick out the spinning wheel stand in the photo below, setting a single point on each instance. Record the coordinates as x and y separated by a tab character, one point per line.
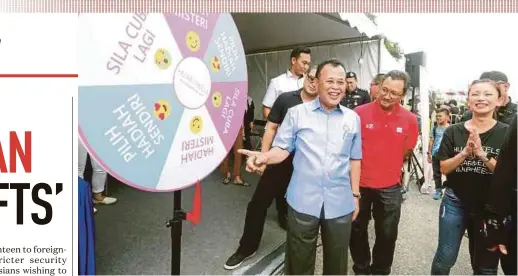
175	224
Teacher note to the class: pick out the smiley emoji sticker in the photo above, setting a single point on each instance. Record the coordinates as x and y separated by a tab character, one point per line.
162	59
215	64
216	99
196	124
193	41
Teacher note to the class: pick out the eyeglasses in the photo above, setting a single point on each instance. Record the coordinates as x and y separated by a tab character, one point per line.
310	78
393	94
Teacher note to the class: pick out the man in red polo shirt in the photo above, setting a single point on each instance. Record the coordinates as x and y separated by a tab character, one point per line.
389	134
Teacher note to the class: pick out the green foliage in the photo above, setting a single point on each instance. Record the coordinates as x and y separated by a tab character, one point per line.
392	47
372	17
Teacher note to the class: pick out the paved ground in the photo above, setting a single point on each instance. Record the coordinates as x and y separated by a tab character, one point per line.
132	238
417	239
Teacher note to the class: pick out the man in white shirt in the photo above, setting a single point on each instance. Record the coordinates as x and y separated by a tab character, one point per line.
291	80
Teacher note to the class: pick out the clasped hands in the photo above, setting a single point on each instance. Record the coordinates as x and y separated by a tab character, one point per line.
473	145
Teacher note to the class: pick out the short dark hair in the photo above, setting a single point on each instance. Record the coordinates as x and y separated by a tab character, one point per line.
399	75
333	62
453	102
378	79
295	53
445	110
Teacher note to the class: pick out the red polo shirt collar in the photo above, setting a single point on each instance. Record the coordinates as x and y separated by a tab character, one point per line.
380	112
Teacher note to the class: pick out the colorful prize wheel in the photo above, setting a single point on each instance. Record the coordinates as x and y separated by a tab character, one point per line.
161	96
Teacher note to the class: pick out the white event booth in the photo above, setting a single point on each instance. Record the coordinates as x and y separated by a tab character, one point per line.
268	39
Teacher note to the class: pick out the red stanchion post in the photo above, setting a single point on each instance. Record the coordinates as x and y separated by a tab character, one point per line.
195	215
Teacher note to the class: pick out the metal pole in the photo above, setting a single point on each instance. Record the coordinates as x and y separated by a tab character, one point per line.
176	232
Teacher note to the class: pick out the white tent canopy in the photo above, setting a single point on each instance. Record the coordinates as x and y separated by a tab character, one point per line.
265	32
268	39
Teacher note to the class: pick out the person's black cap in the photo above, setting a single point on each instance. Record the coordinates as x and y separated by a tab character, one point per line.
350	75
495	76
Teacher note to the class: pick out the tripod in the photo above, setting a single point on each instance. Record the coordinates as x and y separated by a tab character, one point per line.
414	170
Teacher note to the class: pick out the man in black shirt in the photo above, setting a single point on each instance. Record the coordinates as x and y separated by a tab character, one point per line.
501	204
506	112
248	122
275	179
354	96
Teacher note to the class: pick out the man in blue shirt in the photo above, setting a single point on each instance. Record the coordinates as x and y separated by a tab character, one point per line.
275	179
324	187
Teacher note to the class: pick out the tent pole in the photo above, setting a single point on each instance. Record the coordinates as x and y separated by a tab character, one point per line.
379	55
312	44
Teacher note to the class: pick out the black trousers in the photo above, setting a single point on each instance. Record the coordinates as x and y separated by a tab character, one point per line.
273	184
247	144
508	262
437	176
385	207
301	243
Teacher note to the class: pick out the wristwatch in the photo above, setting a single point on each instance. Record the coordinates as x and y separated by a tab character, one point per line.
357	195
